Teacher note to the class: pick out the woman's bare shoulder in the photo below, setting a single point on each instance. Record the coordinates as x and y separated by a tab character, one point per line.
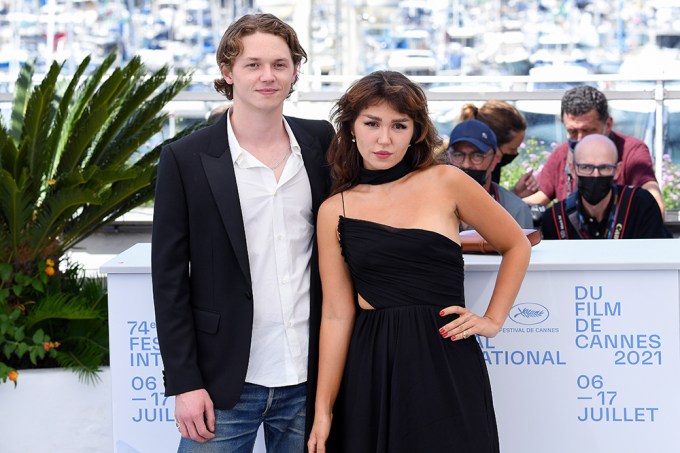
441	174
332	205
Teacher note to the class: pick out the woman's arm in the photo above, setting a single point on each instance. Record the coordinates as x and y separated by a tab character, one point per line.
337	321
475	207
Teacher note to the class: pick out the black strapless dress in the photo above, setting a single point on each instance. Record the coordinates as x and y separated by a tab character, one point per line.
405	388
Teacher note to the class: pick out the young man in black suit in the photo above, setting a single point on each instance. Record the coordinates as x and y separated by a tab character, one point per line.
235	279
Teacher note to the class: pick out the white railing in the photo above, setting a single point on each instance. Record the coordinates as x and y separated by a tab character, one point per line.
657	94
315	95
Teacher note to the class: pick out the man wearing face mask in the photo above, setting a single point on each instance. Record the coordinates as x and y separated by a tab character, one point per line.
510	128
473	149
600	209
584	112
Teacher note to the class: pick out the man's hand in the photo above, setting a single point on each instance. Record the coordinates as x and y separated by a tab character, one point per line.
526	185
195	416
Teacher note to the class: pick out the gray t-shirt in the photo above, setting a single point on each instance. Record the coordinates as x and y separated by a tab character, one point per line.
518	209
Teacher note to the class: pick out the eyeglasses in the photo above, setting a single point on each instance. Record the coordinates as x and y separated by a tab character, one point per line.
457	157
588	169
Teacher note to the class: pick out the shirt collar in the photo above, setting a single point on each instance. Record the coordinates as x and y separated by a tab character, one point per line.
236	150
591	226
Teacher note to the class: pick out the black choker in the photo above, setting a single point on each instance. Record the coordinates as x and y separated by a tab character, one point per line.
384	176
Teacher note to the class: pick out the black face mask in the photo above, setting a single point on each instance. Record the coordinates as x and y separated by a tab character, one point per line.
572	144
593	189
477	175
506	159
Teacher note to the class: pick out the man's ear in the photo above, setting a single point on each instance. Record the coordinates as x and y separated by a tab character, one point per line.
617	172
226	73
608	125
569	166
498	155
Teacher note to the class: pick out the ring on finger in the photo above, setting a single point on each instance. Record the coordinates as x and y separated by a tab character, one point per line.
465	335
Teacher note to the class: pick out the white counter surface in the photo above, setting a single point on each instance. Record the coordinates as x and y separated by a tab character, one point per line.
628	254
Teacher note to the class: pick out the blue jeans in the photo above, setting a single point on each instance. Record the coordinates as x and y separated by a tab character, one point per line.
280	409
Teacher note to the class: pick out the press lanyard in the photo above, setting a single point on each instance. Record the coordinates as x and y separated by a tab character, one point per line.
494	192
613	214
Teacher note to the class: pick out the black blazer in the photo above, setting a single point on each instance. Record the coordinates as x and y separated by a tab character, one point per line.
201	277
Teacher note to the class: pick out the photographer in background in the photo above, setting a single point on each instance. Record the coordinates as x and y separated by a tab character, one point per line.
600	209
585	112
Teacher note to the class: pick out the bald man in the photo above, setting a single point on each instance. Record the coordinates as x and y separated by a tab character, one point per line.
600	209
585	111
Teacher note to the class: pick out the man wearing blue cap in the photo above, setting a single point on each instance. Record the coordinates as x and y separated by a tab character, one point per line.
473	149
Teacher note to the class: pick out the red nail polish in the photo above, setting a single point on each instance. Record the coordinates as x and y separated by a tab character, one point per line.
441	313
445	334
453	338
442	330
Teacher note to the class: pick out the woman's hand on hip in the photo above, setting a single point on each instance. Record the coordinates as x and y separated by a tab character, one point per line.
467	324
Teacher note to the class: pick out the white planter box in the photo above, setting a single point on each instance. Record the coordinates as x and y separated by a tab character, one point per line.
50	410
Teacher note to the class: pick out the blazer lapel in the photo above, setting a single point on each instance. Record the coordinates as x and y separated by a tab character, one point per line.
219	169
314	161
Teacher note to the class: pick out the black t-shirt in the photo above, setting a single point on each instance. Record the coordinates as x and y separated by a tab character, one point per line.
640	220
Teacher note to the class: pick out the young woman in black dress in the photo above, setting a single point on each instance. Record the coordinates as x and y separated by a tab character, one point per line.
399	367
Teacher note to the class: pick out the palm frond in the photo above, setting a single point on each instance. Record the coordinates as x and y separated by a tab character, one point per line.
123	148
61	127
55	212
151	157
5	242
16	210
85	343
94	290
142	111
8	151
127	105
81	106
67	167
92	217
61	306
84	358
65	190
86	128
37	122
139	198
85	92
103	178
22	89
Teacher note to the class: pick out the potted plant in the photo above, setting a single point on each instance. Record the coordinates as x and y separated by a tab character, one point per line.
69	163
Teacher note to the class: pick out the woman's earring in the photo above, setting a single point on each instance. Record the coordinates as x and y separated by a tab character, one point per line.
353	141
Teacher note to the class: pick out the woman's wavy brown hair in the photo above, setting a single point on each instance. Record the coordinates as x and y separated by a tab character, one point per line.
404	96
231	45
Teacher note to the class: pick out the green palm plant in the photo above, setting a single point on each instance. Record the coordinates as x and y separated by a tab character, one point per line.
68	164
66	160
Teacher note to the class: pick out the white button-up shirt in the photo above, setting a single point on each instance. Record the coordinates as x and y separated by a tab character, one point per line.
277	217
